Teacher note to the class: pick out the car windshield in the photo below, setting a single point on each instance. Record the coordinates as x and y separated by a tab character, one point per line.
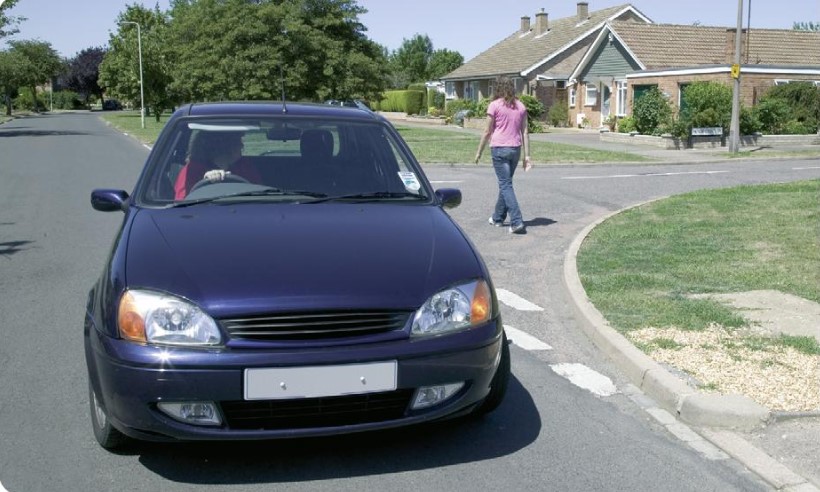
302	159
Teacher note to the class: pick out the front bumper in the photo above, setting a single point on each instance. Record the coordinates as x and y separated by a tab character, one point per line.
131	379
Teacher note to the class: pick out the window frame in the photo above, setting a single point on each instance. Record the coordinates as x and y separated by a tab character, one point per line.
590	101
621	94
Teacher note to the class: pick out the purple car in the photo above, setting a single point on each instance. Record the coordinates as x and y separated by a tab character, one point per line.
286	270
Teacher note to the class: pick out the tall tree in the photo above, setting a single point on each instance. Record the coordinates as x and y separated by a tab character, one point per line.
8	24
120	68
43	63
13	67
409	63
238	49
807	26
83	71
443	62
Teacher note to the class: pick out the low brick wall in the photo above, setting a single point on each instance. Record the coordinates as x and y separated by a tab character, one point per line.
706	142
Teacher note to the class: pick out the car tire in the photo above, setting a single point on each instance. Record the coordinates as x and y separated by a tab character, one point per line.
498	385
105	433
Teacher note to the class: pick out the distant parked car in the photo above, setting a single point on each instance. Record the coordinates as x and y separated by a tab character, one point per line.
314	286
111	105
350	103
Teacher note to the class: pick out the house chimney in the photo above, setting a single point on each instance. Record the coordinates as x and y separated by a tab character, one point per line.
583	11
525	24
541	22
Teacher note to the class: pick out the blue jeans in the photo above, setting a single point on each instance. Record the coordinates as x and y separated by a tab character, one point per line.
505	160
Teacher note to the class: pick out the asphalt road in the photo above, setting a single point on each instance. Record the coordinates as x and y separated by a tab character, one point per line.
549	434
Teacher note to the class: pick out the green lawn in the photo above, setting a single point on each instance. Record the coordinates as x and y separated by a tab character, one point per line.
639	267
429	145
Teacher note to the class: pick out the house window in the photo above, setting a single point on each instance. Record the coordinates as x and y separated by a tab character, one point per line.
620	98
520	85
591	97
472	91
572	95
450	90
781	81
682	100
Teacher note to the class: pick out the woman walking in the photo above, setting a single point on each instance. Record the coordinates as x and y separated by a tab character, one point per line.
507	133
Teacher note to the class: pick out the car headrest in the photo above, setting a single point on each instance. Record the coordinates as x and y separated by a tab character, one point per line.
316	144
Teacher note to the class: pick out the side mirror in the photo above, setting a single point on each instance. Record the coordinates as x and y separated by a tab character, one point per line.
106	200
449	197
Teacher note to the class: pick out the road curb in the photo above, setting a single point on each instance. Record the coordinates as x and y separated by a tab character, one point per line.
673	394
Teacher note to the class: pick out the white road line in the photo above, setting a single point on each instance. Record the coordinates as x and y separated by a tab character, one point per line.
805	168
445	182
642	175
584	377
524	340
515	301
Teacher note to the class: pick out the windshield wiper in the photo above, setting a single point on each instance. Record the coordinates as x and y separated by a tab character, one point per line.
264	192
375	195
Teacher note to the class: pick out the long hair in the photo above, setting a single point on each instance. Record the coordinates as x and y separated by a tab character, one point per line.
505	88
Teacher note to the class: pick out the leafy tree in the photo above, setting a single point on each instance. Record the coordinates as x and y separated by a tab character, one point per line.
807	26
442	62
8	24
43	63
120	71
236	49
13	67
83	72
410	62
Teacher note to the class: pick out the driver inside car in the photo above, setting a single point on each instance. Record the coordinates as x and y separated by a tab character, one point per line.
212	157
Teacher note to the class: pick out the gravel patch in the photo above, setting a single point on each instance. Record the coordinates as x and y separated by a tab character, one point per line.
732	362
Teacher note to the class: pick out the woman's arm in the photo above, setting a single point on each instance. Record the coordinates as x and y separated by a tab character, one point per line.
525	142
485	137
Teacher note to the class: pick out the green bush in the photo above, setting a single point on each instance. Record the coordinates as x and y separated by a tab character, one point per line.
749	123
795	127
626	125
457	105
438	100
535	110
651	111
408	101
481	107
26	101
558	114
66	100
707	104
421	88
783	104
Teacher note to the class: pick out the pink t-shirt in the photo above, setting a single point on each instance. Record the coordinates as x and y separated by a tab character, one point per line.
507	131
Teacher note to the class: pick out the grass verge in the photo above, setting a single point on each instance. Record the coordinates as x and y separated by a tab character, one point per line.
639	267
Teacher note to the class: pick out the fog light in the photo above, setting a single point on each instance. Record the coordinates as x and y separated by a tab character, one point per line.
195	412
428	396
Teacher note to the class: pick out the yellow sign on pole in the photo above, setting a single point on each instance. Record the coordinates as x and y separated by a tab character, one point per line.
735	71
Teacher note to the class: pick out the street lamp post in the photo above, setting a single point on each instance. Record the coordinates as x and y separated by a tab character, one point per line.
142	92
734	127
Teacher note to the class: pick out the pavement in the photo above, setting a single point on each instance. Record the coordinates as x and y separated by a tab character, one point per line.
783	450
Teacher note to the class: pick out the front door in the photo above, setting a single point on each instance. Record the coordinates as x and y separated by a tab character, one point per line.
605	93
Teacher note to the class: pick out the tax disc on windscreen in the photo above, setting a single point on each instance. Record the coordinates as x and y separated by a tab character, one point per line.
410	181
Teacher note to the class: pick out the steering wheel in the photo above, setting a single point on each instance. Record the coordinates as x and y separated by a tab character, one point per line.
229	178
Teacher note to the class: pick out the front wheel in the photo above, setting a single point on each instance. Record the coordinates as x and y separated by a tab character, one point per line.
105	433
498	386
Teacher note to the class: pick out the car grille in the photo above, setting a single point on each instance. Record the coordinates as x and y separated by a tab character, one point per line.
316	412
315	326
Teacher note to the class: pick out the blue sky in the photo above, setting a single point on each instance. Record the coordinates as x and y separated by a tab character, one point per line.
466	26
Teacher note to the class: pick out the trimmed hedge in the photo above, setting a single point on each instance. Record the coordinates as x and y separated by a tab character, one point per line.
409	101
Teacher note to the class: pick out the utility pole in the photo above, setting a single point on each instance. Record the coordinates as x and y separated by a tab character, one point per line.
734	129
139	50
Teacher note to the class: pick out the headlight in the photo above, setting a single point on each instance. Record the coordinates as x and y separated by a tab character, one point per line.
152	317
457	308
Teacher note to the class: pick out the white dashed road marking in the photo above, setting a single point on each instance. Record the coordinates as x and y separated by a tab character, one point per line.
642	175
445	182
524	340
515	301
584	377
805	168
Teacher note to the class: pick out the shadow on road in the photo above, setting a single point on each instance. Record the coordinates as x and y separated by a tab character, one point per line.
539	221
9	248
513	426
18	132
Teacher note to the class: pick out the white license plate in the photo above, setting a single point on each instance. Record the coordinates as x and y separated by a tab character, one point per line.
317	381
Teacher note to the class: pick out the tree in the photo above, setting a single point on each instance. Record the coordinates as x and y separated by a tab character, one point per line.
410	62
13	67
8	25
120	68
807	26
83	72
443	62
241	50
43	63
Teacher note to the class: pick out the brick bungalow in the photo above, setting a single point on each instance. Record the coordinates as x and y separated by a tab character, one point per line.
628	58
539	57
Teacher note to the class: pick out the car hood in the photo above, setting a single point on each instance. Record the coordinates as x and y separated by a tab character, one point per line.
261	258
